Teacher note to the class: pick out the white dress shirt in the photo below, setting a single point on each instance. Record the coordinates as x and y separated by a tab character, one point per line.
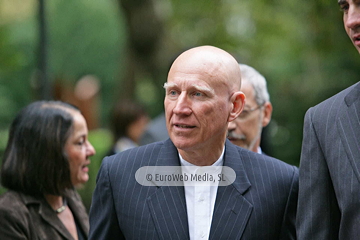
259	150
200	201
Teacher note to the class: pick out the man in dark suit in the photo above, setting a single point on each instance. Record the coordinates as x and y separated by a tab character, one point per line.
245	130
202	96
329	195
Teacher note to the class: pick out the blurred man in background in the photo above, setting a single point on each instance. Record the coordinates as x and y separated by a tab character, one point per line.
245	130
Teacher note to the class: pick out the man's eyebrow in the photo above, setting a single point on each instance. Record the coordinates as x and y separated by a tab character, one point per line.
204	89
197	87
169	85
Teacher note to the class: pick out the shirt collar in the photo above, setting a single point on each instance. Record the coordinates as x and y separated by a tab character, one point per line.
218	162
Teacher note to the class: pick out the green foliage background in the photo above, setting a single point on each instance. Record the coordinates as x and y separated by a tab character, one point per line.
300	47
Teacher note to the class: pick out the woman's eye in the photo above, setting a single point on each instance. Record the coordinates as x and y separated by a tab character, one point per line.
81	142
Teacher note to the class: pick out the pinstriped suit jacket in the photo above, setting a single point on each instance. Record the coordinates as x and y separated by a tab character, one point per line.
329	195
260	204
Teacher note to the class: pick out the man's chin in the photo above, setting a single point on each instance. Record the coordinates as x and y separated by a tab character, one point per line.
182	143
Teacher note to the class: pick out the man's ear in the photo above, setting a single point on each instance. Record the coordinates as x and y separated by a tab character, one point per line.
238	102
267	111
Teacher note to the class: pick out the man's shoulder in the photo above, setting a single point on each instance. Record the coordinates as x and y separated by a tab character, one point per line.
333	106
337	99
137	155
263	161
275	163
260	167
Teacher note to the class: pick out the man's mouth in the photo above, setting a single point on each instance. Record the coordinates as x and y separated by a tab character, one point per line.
356	38
235	137
184	126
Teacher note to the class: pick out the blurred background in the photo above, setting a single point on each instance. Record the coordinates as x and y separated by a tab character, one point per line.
94	53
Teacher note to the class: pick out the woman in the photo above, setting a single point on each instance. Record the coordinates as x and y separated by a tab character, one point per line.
47	155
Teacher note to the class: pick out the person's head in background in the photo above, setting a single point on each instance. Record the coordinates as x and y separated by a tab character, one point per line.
351	18
47	151
128	122
245	130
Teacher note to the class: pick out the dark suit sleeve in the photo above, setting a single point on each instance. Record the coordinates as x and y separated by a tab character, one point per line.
103	220
288	230
316	216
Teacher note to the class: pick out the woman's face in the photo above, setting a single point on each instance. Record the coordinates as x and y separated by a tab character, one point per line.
78	150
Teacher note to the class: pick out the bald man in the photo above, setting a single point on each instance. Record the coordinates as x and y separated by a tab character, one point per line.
251	197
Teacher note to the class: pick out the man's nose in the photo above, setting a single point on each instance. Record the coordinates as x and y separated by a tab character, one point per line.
353	18
183	105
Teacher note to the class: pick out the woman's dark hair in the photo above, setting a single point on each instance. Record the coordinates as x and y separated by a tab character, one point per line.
124	113
35	162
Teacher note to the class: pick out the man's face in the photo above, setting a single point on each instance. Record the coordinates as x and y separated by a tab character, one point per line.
197	106
245	130
351	17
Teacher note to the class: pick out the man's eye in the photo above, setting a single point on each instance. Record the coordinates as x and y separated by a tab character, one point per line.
243	114
198	94
172	92
344	7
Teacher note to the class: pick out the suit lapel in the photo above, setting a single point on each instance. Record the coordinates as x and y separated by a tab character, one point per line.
232	211
48	215
349	128
167	205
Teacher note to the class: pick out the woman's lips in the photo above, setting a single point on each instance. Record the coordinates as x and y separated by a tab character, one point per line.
85	167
